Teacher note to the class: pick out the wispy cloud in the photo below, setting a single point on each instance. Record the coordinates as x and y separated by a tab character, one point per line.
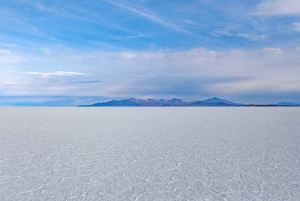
39	6
86	82
42	7
191	22
273	49
10	45
58	73
147	15
4	51
12	84
296	26
17	23
278	7
229	33
222	32
132	37
128	55
254	37
267	85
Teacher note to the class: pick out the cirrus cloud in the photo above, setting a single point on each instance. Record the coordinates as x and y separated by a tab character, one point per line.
58	73
278	7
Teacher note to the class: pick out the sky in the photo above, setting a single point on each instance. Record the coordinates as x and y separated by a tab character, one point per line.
66	53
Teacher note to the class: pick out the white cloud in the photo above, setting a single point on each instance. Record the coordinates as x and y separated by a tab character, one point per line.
297	26
4	51
227	32
278	7
127	55
273	49
9	45
222	32
277	84
10	83
253	37
57	73
191	22
86	82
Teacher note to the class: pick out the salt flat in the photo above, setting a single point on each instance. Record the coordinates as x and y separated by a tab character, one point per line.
149	154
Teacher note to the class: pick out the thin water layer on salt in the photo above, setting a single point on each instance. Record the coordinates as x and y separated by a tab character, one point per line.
149	154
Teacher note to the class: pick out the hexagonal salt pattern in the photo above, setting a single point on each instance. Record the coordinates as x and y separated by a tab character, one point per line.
149	154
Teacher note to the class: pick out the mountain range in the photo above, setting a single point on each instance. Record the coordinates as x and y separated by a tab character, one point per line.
132	102
163	103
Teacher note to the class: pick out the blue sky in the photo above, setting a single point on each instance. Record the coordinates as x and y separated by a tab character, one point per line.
77	52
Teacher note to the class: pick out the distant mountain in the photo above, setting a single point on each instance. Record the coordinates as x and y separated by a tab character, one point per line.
163	103
216	102
139	102
280	104
288	104
132	102
263	105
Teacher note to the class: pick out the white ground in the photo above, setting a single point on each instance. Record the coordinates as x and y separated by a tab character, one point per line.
149	154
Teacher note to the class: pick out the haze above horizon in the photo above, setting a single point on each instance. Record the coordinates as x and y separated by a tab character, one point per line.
70	53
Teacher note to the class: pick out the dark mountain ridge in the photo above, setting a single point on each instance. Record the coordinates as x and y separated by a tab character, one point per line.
132	102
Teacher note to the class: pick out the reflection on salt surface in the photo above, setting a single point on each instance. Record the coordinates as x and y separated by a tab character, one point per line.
149	154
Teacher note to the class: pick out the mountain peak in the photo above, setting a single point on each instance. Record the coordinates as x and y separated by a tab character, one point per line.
176	100
215	99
